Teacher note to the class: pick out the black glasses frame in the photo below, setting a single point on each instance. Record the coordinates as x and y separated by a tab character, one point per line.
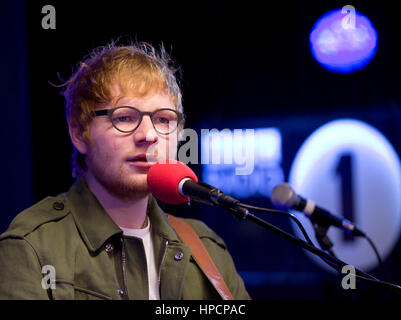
109	113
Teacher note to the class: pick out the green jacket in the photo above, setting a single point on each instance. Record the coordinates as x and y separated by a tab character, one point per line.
93	260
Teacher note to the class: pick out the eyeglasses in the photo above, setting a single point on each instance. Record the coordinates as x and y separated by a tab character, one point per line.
127	119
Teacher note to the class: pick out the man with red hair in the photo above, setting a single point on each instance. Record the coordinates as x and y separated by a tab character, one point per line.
107	237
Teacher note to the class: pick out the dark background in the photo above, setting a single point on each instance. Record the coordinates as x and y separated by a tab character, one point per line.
245	64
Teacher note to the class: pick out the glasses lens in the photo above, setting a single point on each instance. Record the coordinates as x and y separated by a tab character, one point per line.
165	121
125	119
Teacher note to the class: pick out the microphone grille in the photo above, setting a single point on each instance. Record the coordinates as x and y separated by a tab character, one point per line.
164	178
283	196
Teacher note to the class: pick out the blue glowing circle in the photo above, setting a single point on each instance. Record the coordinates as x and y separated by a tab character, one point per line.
375	188
343	42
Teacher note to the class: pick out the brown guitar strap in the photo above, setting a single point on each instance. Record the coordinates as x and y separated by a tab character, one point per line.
201	256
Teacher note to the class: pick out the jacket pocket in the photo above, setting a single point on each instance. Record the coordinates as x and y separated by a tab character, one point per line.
66	290
85	294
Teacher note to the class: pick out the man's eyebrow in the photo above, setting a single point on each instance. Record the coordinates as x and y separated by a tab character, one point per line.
116	102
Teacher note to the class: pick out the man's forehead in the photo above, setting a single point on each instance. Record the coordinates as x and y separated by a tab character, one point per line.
132	97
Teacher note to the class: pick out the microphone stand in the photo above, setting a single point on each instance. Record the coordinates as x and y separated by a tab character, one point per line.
322	238
213	196
241	212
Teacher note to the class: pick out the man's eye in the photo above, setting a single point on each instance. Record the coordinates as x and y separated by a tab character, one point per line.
162	120
123	119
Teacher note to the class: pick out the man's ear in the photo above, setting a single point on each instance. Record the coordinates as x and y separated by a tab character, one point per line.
77	138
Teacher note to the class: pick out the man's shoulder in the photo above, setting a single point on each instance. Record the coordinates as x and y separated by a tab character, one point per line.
45	211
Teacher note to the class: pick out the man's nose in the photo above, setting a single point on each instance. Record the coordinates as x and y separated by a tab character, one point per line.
145	133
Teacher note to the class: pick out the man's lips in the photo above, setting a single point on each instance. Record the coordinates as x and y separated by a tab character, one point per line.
142	160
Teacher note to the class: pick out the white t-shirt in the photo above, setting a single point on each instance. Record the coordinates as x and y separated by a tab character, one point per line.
144	234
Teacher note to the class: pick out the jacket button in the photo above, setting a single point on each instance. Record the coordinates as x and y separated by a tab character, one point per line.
179	256
108	248
58	206
120	292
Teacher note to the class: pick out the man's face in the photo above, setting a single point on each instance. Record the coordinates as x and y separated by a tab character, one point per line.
117	160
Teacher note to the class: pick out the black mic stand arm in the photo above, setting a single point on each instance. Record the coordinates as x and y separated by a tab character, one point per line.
241	212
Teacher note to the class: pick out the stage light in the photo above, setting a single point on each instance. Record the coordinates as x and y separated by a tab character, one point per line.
351	169
343	40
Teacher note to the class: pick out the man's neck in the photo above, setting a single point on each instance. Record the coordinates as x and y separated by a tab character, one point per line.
125	213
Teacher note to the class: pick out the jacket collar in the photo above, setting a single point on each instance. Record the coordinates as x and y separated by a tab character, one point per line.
159	221
96	226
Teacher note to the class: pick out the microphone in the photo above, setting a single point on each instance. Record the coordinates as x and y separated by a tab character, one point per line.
284	197
173	182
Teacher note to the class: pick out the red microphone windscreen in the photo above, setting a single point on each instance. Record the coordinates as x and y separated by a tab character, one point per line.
163	179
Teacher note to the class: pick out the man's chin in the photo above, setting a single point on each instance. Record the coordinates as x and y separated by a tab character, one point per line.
133	189
137	184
